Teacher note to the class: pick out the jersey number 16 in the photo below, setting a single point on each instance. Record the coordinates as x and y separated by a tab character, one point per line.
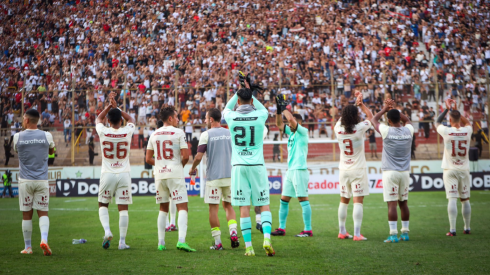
167	153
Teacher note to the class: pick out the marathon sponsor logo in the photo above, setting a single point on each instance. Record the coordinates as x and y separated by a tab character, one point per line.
32	141
220	138
164	133
165	170
115	136
458	134
245	118
400	137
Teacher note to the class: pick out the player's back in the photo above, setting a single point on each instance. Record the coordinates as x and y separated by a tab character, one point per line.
166	143
115	145
397	146
247	134
456	147
352	145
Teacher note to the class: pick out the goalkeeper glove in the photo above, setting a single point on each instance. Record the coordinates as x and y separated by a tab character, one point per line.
281	103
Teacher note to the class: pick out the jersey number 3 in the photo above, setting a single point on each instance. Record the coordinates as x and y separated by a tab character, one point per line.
168	153
462	149
348	147
121	150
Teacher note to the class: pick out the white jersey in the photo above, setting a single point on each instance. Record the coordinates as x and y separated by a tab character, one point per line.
166	143
456	147
115	145
352	146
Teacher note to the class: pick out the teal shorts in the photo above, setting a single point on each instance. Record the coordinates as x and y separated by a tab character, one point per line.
296	183
249	182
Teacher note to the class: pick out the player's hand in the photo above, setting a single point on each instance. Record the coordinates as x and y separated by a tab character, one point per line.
257	88
112	95
193	172
281	103
359	100
244	79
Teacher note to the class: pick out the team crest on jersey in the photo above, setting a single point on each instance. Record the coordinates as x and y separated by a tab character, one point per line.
117	164
176	196
165	170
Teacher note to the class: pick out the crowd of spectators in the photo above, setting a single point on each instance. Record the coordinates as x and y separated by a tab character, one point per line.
188	52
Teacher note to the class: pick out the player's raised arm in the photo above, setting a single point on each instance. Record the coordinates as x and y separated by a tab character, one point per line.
377	117
441	117
364	108
125	115
290	118
103	114
281	106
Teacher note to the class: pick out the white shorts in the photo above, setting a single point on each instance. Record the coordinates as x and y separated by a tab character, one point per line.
395	185
118	185
353	183
171	188
33	194
456	183
217	190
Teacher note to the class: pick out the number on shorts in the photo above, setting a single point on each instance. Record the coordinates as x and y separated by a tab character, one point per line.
348	147
167	153
461	148
121	150
242	135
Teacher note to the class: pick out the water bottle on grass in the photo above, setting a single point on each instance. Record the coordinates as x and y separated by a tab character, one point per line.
78	241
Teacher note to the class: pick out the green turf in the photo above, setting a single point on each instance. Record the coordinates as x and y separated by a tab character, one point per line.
429	251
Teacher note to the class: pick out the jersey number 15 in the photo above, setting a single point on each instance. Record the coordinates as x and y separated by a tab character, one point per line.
460	146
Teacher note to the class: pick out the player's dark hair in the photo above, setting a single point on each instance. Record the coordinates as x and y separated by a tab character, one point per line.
32	115
455	115
298	117
215	114
245	95
393	115
350	118
114	116
167	112
159	123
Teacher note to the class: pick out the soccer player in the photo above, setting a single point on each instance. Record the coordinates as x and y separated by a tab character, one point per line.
33	147
350	131
169	146
115	178
296	183
215	142
455	163
249	176
397	143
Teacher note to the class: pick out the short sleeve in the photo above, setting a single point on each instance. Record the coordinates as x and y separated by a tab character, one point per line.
100	128
203	140
301	130
410	128
182	141
441	129
383	130
131	128
287	130
366	125
150	143
337	126
49	137
16	138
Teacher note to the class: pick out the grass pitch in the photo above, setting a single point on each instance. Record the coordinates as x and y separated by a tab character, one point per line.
429	251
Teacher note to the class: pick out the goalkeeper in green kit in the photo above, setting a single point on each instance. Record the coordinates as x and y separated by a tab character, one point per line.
249	181
296	182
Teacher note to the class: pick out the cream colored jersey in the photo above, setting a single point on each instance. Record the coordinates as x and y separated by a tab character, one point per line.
352	146
456	147
115	145
166	143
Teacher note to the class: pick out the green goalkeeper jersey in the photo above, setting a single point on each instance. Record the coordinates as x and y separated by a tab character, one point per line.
246	126
297	147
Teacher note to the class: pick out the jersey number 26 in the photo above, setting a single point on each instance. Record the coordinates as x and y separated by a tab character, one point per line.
121	151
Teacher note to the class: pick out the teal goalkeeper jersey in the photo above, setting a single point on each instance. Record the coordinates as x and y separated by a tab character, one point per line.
246	126
297	147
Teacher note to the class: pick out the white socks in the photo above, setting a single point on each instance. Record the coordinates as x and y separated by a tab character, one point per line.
216	233
357	215
104	220
44	226
232	227
162	219
182	225
405	227
258	218
452	211
342	217
466	210
123	226
27	232
173	212
393	228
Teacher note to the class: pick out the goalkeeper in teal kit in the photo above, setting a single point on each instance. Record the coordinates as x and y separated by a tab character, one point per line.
296	181
249	179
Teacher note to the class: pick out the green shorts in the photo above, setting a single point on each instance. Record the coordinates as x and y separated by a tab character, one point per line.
296	183
249	182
